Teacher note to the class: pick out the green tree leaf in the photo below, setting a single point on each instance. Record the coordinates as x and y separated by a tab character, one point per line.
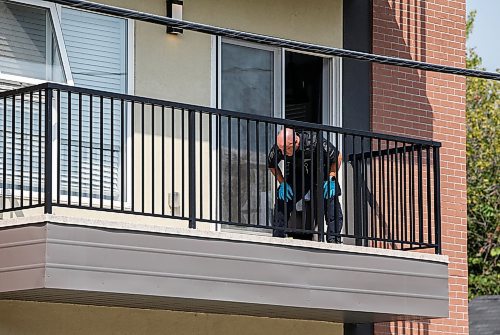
483	178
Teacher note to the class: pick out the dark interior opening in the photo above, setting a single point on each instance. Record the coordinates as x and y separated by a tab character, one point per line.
303	102
303	87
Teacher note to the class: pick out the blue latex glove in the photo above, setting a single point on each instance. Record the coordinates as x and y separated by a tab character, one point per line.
285	190
329	188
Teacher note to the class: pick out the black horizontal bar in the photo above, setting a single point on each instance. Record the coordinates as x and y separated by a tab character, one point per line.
26	89
120	211
20	208
384	152
387	240
249	225
273	41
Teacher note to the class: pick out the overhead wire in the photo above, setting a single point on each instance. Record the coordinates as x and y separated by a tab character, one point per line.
273	41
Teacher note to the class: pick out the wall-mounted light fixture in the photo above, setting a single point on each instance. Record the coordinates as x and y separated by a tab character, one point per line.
174	11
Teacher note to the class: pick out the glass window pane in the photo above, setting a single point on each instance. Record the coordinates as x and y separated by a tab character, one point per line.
27	43
247	79
247	86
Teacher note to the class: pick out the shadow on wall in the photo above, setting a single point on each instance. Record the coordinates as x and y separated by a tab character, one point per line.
400	104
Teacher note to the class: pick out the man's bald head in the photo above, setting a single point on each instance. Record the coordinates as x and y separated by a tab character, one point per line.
287	141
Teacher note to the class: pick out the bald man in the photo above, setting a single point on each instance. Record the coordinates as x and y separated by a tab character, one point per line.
299	151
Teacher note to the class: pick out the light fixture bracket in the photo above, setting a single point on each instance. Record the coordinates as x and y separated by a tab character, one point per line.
174	11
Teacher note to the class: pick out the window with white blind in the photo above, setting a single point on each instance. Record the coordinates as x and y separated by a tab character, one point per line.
96	46
41	42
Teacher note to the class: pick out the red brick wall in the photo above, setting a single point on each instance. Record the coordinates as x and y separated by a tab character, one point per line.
432	106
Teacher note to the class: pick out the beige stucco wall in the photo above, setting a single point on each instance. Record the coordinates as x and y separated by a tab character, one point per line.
178	68
20	318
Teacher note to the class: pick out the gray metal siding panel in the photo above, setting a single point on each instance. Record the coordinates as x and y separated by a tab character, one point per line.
112	267
22	258
89	259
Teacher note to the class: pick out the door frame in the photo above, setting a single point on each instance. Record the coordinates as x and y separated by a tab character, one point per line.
332	95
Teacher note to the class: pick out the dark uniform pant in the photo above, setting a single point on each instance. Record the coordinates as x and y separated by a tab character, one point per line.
333	213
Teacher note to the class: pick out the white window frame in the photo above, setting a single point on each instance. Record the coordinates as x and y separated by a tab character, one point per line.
56	25
332	92
55	11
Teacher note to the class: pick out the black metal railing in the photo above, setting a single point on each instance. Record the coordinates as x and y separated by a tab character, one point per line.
72	147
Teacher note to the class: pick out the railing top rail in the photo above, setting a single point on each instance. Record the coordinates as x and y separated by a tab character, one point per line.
222	112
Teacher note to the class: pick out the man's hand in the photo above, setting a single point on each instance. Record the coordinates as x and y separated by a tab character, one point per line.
285	190
329	188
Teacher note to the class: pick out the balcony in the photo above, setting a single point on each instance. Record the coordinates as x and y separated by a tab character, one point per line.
119	200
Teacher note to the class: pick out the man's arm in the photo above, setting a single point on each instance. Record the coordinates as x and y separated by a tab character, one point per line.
273	158
335	157
335	166
277	172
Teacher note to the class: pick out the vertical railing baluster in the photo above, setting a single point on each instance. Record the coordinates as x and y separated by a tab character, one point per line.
48	151
420	196
201	165
229	167
210	175
345	186
21	199
429	202
152	159
238	178
393	200
266	124
70	119
381	194
358	212
142	158
183	116
122	155
112	153
405	202
412	195
437	200
163	159
319	192
336	196
101	152
396	173
13	151
132	155
387	201
91	149
219	165
248	172
257	153
285	218
4	161
31	150
303	183
40	112
192	169
373	196
294	182
364	186
274	190
402	199
172	149
80	146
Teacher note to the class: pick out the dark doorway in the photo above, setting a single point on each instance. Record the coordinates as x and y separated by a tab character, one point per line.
303	87
303	102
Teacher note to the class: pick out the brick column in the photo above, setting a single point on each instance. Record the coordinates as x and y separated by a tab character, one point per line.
432	106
